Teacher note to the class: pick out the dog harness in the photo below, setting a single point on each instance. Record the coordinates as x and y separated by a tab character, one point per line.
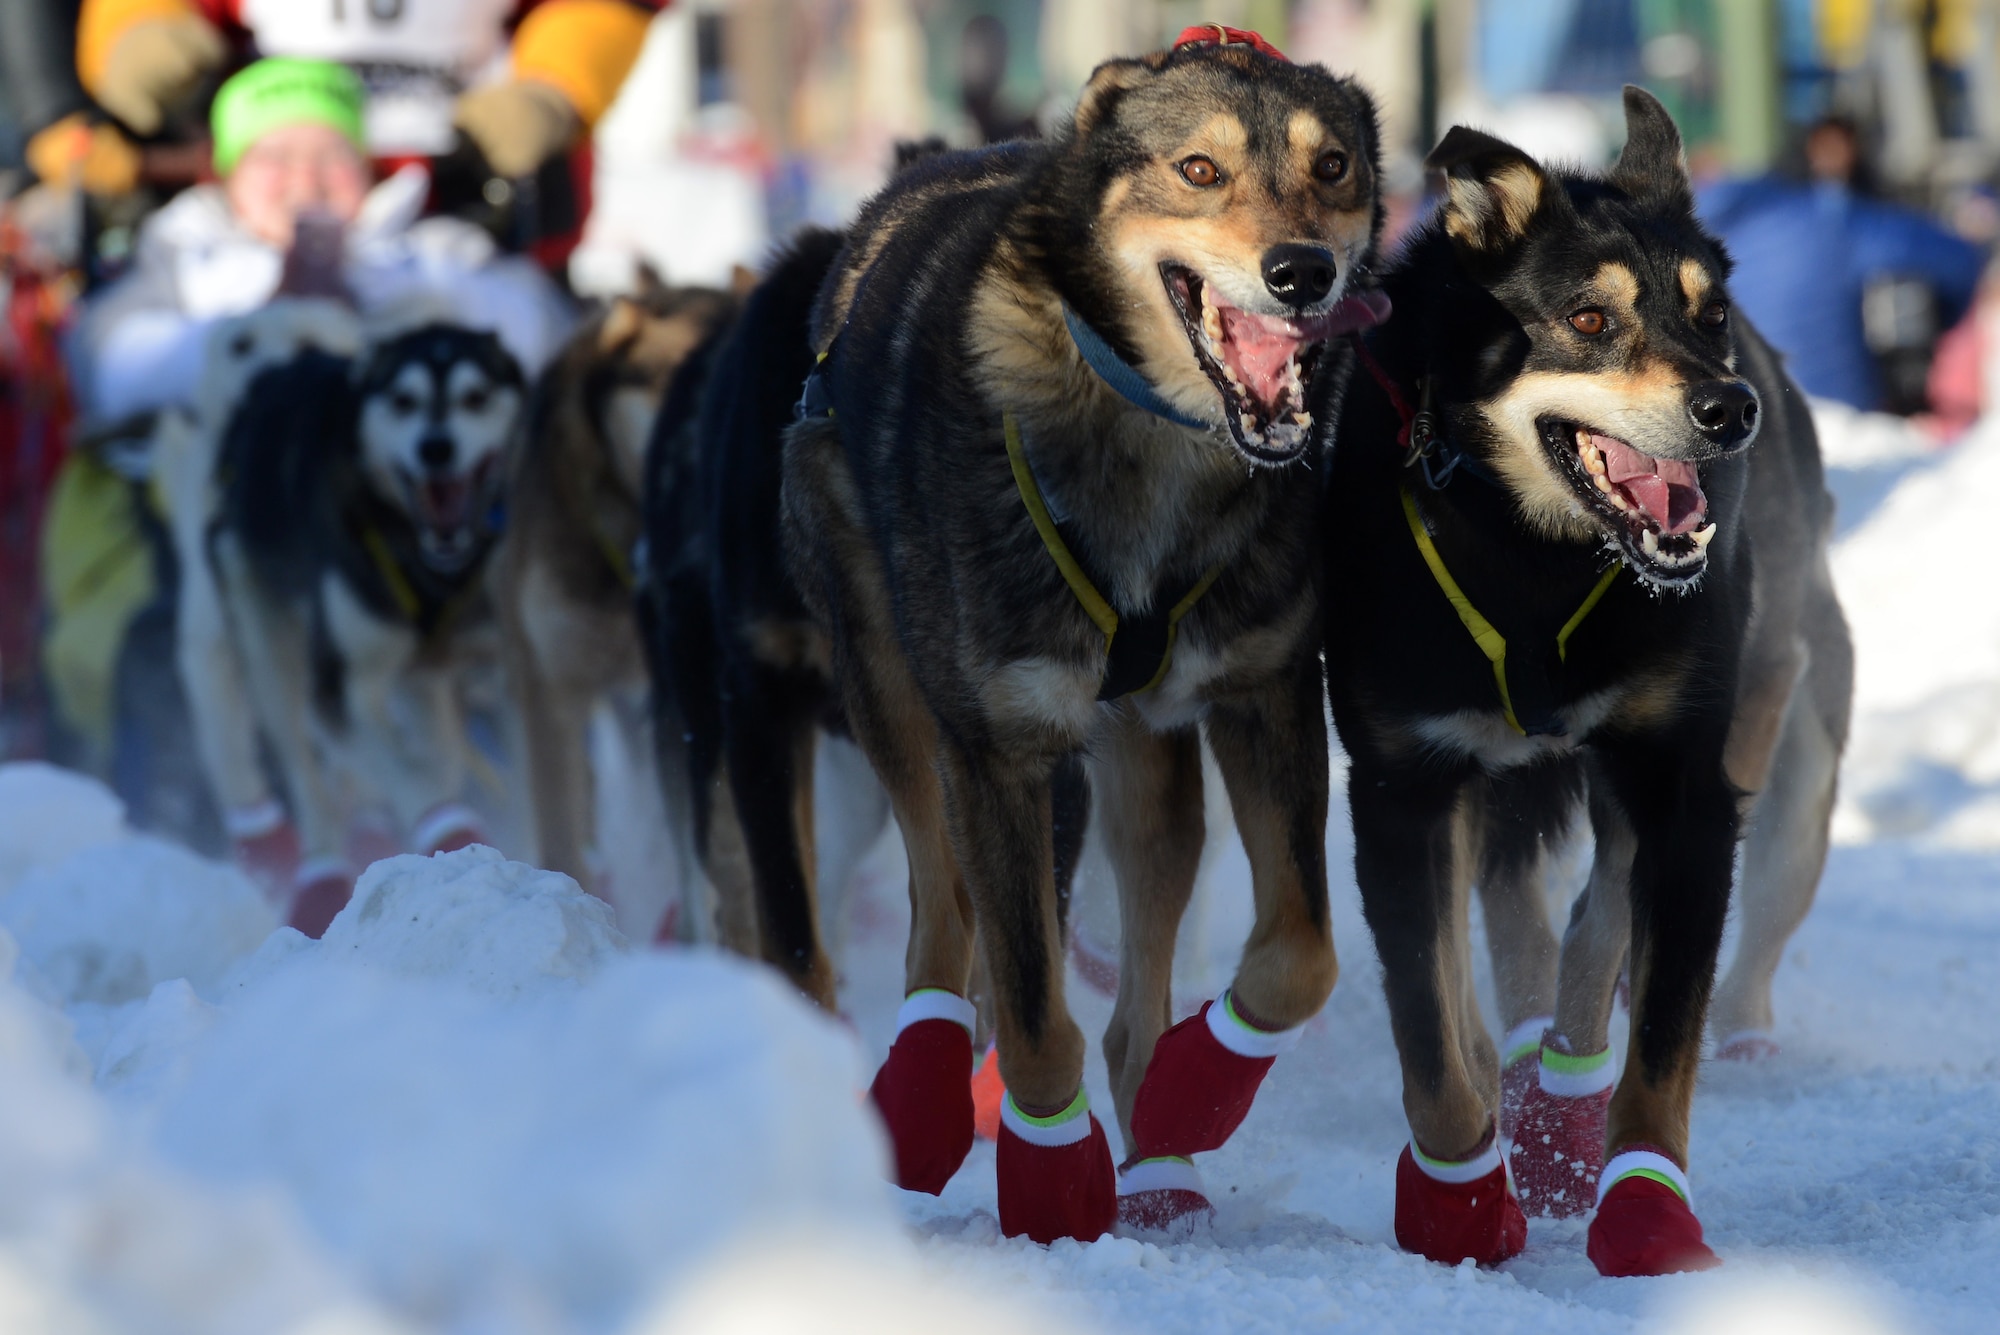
1419	438
1138	650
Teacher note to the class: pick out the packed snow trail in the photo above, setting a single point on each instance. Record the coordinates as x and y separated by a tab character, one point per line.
476	1107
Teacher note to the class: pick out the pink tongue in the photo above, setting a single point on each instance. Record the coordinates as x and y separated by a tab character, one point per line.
447	502
1668	490
1259	348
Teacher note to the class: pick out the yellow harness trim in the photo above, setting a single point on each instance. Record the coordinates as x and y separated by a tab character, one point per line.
1100	611
400	589
1484	634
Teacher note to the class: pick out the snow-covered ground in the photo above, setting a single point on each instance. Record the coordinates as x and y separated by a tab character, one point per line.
475	1108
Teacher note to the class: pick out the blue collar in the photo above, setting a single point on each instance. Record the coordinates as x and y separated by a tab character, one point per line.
1116	372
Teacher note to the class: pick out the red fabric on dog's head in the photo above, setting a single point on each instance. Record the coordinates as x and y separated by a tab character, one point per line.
1214	34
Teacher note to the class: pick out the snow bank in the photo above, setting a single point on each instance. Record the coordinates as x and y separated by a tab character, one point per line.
471	1104
1925	755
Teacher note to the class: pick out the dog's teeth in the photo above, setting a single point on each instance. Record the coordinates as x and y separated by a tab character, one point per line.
1303	419
1582	439
1703	535
1211	323
1603	483
1648	543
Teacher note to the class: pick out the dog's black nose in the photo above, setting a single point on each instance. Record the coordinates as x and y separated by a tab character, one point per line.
1299	275
436	451
1724	411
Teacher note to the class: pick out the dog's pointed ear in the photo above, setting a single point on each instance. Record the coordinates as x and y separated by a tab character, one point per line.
1109	82
1494	189
1653	162
622	323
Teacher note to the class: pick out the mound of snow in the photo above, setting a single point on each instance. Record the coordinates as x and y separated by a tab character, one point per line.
490	1108
46	814
475	918
114	919
96	1236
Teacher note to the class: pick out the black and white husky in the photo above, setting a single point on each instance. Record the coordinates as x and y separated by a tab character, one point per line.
359	499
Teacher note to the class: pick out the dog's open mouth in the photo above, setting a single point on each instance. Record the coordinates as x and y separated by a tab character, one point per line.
449	513
1263	365
1655	506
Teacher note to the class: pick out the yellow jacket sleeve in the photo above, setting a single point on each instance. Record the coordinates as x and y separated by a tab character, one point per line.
100	23
583	48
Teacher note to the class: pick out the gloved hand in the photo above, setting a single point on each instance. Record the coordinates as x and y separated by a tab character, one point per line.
518	124
75	152
155	63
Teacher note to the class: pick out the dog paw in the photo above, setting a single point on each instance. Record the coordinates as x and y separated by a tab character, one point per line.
1055	1174
923	1091
322	891
265	844
1201	1081
1644	1223
446	828
1747	1045
1453	1212
1163	1196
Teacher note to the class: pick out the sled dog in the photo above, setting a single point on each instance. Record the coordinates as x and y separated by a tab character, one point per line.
359	502
1575	554
563	575
1055	489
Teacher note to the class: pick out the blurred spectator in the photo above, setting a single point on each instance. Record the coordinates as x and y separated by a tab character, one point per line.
1852	289
523	80
982	72
288	141
65	142
1965	374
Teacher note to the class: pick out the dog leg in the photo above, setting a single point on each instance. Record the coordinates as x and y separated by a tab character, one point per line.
1525	818
1453	1201
1152	810
1054	1163
277	666
923	1090
1558	1142
1683	815
265	841
1205	1071
769	736
1783	858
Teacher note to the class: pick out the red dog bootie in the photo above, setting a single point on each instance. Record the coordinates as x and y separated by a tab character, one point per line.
1161	1193
448	827
1448	1212
1645	1222
1748	1045
266	846
924	1089
1558	1149
1517	1068
323	887
1198	1089
1055	1174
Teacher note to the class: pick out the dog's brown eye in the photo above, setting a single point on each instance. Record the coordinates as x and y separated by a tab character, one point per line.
1589	323
474	400
402	403
1200	172
1331	167
1715	314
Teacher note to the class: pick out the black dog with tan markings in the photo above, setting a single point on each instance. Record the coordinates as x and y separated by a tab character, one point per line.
1055	492
1540	586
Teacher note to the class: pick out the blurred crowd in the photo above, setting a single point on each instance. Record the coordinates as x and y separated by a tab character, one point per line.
167	164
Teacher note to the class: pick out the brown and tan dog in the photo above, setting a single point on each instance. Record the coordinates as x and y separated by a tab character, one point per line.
1054	491
562	579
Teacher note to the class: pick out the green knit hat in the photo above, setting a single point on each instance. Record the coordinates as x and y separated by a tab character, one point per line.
274	93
